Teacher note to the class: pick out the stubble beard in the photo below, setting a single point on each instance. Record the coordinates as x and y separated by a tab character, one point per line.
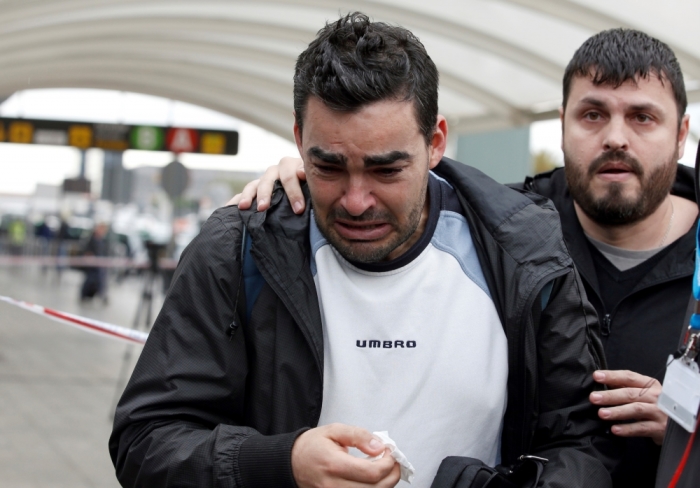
614	208
367	252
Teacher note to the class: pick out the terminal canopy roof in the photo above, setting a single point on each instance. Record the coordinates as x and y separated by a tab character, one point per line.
500	61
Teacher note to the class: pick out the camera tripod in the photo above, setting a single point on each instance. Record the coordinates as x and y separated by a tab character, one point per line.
144	308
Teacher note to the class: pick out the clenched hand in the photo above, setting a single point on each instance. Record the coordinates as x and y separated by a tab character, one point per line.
320	459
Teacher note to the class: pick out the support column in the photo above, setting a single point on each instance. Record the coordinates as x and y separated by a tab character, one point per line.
116	181
81	175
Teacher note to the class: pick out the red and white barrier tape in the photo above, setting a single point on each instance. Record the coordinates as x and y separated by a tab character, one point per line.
95	326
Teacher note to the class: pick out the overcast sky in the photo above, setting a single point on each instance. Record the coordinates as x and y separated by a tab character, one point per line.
23	166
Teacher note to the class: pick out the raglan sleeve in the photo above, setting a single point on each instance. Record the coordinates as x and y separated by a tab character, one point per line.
181	420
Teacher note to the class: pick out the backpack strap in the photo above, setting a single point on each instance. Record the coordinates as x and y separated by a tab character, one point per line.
546	294
250	280
253	280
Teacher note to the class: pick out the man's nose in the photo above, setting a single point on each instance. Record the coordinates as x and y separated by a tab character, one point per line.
358	197
616	135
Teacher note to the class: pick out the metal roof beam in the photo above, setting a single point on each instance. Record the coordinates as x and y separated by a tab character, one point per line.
597	21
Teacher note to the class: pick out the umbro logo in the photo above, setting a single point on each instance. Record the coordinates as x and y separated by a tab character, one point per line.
387	344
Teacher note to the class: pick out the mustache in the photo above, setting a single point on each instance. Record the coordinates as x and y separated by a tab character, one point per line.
617	156
369	215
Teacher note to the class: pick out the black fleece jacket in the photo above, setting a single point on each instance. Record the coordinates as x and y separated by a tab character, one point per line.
643	328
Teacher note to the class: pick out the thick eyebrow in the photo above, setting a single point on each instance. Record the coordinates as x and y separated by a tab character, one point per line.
386	159
370	161
640	107
328	157
591	101
644	107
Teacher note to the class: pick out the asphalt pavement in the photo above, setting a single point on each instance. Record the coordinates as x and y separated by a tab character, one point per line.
57	383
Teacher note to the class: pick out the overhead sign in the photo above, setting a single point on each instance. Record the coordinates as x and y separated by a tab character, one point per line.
181	140
118	137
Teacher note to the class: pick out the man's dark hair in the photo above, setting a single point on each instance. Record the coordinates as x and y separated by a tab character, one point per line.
354	62
615	56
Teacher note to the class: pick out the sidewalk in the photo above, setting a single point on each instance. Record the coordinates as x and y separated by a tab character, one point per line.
57	382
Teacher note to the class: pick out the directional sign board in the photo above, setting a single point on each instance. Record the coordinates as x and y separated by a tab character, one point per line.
118	137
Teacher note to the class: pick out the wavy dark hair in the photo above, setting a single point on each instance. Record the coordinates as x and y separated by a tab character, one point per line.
354	62
615	56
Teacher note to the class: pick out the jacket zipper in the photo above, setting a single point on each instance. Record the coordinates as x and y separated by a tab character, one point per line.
605	325
606	321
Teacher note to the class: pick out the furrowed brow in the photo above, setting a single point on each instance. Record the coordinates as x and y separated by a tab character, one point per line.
592	101
327	157
386	159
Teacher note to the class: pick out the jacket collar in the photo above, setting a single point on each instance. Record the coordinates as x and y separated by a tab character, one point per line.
280	249
499	209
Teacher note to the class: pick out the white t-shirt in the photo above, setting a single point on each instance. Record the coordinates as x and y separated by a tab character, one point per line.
415	346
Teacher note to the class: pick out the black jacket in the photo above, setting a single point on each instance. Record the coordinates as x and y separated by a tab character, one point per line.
208	408
643	329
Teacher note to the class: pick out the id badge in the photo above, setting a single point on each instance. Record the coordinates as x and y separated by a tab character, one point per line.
680	393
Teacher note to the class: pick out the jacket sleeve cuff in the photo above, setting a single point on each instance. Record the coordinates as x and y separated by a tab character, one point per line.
266	460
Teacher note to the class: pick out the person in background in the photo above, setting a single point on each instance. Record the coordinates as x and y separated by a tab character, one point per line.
62	242
95	282
17	236
628	214
44	236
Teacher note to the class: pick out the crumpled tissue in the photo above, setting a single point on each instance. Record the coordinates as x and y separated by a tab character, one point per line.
407	470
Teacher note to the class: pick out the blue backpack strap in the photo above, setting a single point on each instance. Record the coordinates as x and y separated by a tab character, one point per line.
253	281
545	294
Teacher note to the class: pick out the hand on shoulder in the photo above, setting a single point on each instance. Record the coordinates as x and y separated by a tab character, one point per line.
290	171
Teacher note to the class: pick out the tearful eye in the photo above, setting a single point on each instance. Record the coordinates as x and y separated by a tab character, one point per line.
327	169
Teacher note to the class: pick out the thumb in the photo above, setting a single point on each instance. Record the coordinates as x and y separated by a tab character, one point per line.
357	437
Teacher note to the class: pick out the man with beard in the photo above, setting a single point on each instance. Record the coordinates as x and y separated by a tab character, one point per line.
400	300
628	215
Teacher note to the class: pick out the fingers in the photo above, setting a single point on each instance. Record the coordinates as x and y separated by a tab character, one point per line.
357	437
655	429
623	396
623	378
363	470
632	411
245	198
235	200
265	187
647	419
320	458
291	171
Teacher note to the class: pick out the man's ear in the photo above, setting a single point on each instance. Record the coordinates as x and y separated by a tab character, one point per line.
438	143
683	131
561	119
297	135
